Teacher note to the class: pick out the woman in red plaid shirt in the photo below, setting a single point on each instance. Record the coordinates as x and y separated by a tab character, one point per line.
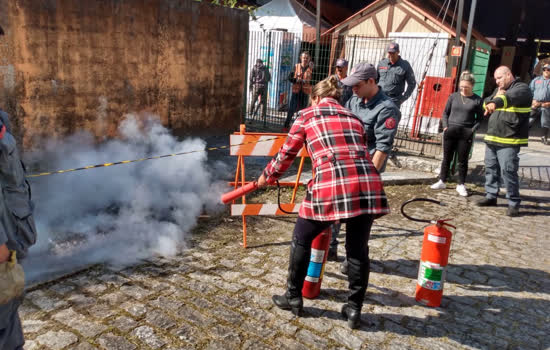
346	187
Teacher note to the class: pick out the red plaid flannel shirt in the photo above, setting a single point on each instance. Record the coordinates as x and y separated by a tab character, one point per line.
346	183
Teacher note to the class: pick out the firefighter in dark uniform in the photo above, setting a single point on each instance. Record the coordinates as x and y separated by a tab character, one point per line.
379	114
540	87
17	234
508	130
393	73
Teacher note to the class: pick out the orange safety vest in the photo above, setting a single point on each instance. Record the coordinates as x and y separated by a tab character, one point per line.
305	76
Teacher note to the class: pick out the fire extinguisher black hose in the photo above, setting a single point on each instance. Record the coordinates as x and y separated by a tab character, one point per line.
279	199
418	200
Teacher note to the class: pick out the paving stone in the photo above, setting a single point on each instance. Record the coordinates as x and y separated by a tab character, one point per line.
255	344
318	324
31	345
115	298
228	315
80	300
191	315
124	324
85	346
57	340
187	333
62	288
110	341
148	336
135	292
262	330
285	327
45	302
28	310
114	280
313	340
79	323
288	343
95	289
134	309
160	319
101	311
201	303
33	326
227	334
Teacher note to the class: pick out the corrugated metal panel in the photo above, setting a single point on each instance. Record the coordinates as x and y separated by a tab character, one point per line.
479	63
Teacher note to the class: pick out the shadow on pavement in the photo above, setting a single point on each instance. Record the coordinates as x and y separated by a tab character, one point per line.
480	320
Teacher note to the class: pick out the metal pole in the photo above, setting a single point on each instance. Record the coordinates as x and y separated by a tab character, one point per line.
318	36
245	95
264	105
456	61
352	61
459	22
468	35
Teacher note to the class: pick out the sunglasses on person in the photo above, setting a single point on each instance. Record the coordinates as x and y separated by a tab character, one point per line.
546	69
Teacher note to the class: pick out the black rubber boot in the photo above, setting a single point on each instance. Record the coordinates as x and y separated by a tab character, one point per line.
297	271
332	254
358	278
353	316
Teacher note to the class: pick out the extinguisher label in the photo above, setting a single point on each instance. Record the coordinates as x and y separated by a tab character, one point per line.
437	239
431	276
317	255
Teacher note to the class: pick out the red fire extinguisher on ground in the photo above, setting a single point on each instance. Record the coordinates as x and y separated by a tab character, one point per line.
434	257
316	268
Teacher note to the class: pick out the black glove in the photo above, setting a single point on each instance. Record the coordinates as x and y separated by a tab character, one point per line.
291	78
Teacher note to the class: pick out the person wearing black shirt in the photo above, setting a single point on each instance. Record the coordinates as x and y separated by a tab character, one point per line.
460	120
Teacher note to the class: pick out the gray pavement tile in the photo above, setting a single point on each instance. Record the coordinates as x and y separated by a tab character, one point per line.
147	335
57	340
124	324
111	341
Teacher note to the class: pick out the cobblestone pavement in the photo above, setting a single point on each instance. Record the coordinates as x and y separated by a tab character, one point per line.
216	295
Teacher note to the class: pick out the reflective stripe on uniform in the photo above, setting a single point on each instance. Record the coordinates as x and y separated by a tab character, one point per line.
505	140
515	109
504	100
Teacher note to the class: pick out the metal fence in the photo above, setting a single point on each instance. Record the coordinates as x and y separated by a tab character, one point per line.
418	130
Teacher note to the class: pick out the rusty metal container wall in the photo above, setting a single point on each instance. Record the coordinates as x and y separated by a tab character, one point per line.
67	66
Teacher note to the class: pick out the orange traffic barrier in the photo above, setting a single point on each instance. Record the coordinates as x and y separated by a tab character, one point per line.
265	145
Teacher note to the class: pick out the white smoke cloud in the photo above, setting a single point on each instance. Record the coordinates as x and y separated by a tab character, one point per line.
119	214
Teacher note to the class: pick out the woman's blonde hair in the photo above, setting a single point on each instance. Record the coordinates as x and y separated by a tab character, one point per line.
467	76
327	88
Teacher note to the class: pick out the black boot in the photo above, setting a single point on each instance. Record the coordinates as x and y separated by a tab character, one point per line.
332	254
297	271
358	278
353	316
